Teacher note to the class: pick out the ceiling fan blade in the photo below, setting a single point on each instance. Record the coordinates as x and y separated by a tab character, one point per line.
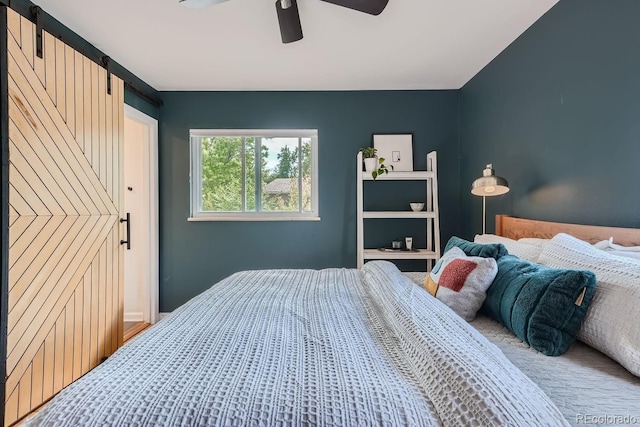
199	4
372	7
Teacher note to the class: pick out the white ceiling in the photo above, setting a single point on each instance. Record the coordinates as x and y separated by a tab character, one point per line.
236	45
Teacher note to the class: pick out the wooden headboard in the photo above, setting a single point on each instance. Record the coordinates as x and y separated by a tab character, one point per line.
517	228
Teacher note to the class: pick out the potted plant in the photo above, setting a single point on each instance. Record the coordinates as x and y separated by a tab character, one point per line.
369	158
373	163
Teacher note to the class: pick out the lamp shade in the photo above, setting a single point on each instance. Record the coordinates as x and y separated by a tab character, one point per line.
489	184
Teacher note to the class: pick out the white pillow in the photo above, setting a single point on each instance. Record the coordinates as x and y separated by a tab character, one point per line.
522	250
535	241
619	250
612	323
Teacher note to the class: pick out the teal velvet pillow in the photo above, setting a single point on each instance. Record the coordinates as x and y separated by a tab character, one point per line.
491	250
543	306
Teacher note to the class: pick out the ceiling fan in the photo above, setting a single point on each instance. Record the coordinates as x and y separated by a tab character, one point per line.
289	18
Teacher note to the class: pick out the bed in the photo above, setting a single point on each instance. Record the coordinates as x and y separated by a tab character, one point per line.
338	347
586	385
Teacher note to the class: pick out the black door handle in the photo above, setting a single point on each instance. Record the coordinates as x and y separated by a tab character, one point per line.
128	221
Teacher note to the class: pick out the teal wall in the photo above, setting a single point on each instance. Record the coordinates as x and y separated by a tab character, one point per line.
141	104
195	255
558	115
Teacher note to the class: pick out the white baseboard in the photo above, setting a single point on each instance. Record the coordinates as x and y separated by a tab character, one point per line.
163	315
134	316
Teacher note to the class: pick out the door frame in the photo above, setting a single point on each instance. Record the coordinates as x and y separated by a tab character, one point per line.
150	173
4	201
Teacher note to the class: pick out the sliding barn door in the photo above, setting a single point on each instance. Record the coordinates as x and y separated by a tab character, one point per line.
65	200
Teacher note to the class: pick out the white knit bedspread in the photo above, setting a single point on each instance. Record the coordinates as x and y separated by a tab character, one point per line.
587	386
304	347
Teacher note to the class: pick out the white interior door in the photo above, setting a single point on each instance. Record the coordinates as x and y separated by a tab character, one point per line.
140	202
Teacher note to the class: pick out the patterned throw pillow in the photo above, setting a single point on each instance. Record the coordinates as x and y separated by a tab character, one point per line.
461	281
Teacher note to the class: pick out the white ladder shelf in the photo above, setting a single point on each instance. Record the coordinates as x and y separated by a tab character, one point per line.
432	251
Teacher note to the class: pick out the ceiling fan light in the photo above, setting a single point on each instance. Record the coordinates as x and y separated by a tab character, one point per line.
289	20
199	4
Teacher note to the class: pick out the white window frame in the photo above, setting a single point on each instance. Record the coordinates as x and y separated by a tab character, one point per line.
197	214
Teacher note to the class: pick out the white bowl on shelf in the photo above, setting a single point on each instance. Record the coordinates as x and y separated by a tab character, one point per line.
416	207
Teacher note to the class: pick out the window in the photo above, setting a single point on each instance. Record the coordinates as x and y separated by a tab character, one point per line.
254	175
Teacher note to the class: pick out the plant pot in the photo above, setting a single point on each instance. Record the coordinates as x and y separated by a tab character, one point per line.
370	164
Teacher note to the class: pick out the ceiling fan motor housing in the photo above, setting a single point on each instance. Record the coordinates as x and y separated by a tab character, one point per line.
289	20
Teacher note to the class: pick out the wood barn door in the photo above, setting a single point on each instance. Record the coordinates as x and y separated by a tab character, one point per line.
65	301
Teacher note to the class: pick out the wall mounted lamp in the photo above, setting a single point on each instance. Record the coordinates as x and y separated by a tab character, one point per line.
488	185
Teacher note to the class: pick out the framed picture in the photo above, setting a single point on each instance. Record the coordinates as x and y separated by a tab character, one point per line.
396	149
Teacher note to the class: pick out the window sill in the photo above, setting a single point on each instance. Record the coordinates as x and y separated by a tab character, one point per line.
239	218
